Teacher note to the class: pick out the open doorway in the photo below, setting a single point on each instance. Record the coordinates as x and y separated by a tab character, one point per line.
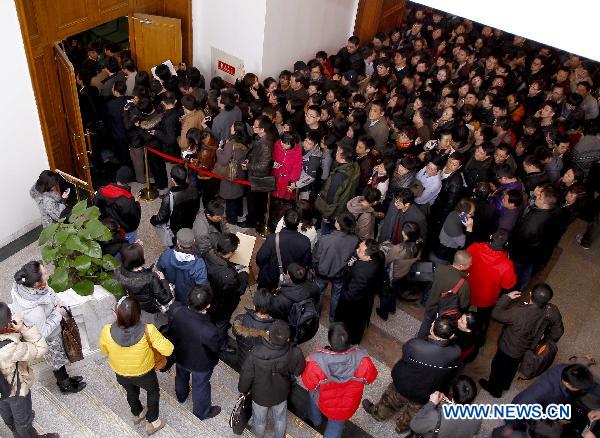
101	57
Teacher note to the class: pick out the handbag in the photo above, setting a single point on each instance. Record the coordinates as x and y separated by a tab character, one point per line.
160	361
71	337
241	413
421	272
165	234
262	183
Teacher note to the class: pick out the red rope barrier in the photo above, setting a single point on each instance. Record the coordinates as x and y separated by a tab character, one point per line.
197	169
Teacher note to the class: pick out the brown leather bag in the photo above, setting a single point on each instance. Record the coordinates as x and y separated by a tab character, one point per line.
160	361
71	337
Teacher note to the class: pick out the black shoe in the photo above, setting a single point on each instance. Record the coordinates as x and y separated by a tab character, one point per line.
368	405
244	224
213	412
382	315
46	435
76	379
68	386
485	385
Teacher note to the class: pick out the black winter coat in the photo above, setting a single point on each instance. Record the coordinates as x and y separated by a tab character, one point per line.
145	285
267	372
167	131
249	330
521	322
477	171
290	294
115	111
196	339
227	285
293	246
186	203
531	180
136	136
260	156
427	365
118	203
533	236
453	189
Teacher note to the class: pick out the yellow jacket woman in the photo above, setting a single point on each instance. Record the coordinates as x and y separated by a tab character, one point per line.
128	343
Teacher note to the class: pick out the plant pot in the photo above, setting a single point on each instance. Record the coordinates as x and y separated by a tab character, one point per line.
91	313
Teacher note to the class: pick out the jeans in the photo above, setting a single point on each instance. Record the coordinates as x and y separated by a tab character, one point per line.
524	273
259	419
336	291
333	429
200	389
17	412
131	237
132	386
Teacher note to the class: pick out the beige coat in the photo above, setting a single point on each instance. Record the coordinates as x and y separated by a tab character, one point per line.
25	347
402	263
365	218
194	119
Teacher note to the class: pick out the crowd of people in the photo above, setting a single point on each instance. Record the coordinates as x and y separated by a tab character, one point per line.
441	162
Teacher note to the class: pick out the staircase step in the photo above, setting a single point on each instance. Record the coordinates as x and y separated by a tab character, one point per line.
51	415
180	421
221	396
296	427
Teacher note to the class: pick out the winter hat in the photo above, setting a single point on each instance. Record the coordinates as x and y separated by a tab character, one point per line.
124	175
185	238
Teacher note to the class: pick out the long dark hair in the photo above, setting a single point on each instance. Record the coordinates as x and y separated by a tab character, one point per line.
128	312
240	134
30	274
413	242
46	181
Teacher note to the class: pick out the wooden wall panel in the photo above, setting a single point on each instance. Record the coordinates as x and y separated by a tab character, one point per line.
70	18
152	7
112	7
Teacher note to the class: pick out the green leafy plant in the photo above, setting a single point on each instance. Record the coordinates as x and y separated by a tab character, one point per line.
72	247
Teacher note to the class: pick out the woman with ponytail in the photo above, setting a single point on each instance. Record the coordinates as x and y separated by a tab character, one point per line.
40	306
399	259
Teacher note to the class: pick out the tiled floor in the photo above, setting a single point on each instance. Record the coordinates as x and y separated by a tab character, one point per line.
574	275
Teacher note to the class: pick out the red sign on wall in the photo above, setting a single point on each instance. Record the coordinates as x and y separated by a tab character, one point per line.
223	66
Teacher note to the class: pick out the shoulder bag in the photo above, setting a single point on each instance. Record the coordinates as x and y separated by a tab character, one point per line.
241	413
71	337
164	232
160	361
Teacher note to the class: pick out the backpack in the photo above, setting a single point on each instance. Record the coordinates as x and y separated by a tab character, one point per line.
304	321
5	385
449	303
539	358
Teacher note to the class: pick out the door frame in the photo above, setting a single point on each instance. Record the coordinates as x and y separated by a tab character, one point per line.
40	32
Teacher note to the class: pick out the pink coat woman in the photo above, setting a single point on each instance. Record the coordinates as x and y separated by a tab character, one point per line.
287	167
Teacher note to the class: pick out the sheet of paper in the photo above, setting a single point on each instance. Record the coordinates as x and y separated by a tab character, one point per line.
243	254
169	64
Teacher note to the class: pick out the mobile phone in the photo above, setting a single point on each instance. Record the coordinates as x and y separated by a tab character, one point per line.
463	218
68	190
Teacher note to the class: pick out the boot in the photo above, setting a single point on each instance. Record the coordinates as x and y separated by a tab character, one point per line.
69	386
46	435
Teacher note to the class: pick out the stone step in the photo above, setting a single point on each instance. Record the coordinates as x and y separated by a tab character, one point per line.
51	415
180	421
296	427
221	396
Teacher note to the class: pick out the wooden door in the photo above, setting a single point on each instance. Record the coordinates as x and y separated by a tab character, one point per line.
72	115
155	39
378	16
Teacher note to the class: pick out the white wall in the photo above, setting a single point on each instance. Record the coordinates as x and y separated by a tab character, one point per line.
297	29
570	26
22	153
234	26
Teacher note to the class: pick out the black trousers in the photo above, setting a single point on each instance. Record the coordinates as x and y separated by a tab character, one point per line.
158	168
234	208
503	371
17	412
484	315
132	385
257	207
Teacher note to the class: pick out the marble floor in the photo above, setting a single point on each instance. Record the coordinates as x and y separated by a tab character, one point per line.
574	274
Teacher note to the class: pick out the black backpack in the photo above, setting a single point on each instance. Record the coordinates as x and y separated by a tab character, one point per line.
539	358
5	386
304	321
449	303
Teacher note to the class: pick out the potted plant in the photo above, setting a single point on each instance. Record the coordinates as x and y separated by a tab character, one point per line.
82	274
